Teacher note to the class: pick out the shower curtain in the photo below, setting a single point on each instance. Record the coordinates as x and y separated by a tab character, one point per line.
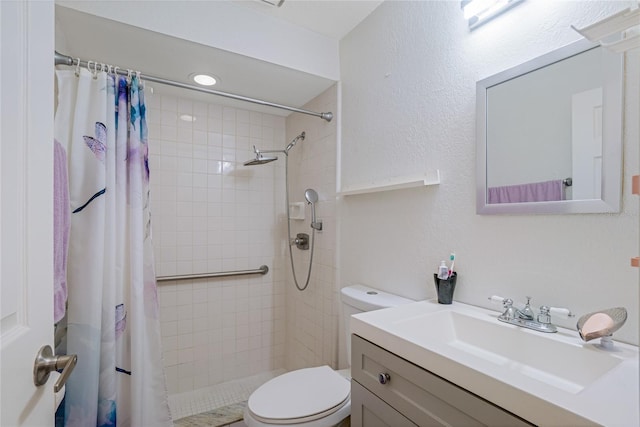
112	316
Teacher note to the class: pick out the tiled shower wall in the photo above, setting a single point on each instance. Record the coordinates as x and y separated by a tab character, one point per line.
312	315
211	213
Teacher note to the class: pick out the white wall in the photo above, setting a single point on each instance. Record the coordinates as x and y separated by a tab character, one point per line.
211	213
408	89
312	315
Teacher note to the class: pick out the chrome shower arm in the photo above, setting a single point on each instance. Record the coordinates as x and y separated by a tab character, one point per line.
268	151
255	150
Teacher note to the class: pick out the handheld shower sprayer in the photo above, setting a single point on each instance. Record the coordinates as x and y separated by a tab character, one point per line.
312	197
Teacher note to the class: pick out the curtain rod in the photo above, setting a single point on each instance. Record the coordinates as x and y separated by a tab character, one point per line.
61	59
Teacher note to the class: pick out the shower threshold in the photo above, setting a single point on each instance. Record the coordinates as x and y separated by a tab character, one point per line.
206	399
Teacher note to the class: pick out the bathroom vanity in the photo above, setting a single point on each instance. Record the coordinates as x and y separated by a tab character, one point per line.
429	364
413	396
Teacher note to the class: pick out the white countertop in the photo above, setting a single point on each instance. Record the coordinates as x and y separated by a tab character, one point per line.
611	398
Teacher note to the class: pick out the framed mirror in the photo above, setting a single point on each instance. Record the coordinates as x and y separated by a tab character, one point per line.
549	134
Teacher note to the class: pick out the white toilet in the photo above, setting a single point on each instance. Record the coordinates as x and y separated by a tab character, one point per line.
315	397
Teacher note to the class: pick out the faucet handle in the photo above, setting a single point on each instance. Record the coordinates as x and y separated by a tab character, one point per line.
509	311
546	311
561	311
544	317
495	299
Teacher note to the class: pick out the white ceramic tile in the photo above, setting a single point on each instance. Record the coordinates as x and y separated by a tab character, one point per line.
184	135
169	329
170	357
168	133
204	220
168	118
200	125
185	106
184	329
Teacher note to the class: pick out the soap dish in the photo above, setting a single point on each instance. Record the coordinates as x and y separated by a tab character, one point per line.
601	324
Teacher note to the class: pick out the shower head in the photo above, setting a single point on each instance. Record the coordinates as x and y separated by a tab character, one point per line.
260	160
311	195
295	141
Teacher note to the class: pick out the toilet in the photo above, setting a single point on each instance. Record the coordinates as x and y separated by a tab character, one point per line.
319	396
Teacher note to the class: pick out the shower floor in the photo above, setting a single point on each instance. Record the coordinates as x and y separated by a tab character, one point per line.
206	399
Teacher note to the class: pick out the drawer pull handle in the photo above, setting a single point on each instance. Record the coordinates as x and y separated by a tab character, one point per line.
384	378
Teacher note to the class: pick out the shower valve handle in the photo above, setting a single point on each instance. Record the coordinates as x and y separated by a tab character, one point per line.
301	241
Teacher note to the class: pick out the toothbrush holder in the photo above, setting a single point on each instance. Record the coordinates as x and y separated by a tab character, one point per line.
445	288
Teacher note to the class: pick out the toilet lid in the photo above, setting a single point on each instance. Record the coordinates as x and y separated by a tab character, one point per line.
306	393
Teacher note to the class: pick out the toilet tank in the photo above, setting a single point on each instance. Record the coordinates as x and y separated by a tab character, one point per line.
358	299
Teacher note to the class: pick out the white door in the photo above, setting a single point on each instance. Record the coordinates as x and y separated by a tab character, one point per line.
586	136
26	217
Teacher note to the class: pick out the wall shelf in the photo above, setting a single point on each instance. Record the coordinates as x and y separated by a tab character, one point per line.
625	22
398	183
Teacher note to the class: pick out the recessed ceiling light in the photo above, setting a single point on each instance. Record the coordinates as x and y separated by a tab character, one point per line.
187	118
205	79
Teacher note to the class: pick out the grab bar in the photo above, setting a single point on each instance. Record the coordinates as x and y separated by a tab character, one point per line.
262	270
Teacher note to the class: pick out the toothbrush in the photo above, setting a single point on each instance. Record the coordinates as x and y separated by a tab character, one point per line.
452	257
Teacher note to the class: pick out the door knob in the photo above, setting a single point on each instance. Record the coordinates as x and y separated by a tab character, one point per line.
46	362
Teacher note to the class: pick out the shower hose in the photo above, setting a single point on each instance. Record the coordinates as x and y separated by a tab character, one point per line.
313	233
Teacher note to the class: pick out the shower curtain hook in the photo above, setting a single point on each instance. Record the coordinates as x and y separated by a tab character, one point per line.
78	67
129	75
95	68
115	71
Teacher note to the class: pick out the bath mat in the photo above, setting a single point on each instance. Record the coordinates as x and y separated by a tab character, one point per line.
215	418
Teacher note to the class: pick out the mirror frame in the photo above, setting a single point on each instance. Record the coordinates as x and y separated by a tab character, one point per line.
611	137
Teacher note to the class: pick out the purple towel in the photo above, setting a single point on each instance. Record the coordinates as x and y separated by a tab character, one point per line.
61	225
536	192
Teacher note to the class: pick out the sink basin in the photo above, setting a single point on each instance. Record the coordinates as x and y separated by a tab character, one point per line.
551	379
564	365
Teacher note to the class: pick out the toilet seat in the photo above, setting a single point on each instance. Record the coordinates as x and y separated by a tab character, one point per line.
300	396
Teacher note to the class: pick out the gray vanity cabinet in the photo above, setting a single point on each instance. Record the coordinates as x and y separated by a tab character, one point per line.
387	390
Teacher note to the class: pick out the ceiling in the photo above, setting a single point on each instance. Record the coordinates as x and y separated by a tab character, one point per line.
172	58
334	19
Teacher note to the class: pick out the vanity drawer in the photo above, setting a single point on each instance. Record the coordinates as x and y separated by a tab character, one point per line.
369	410
421	396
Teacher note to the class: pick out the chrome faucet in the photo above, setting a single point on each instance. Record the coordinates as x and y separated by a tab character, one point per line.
526	317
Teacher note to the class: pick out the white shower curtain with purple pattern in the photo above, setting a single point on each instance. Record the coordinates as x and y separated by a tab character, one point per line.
112	313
